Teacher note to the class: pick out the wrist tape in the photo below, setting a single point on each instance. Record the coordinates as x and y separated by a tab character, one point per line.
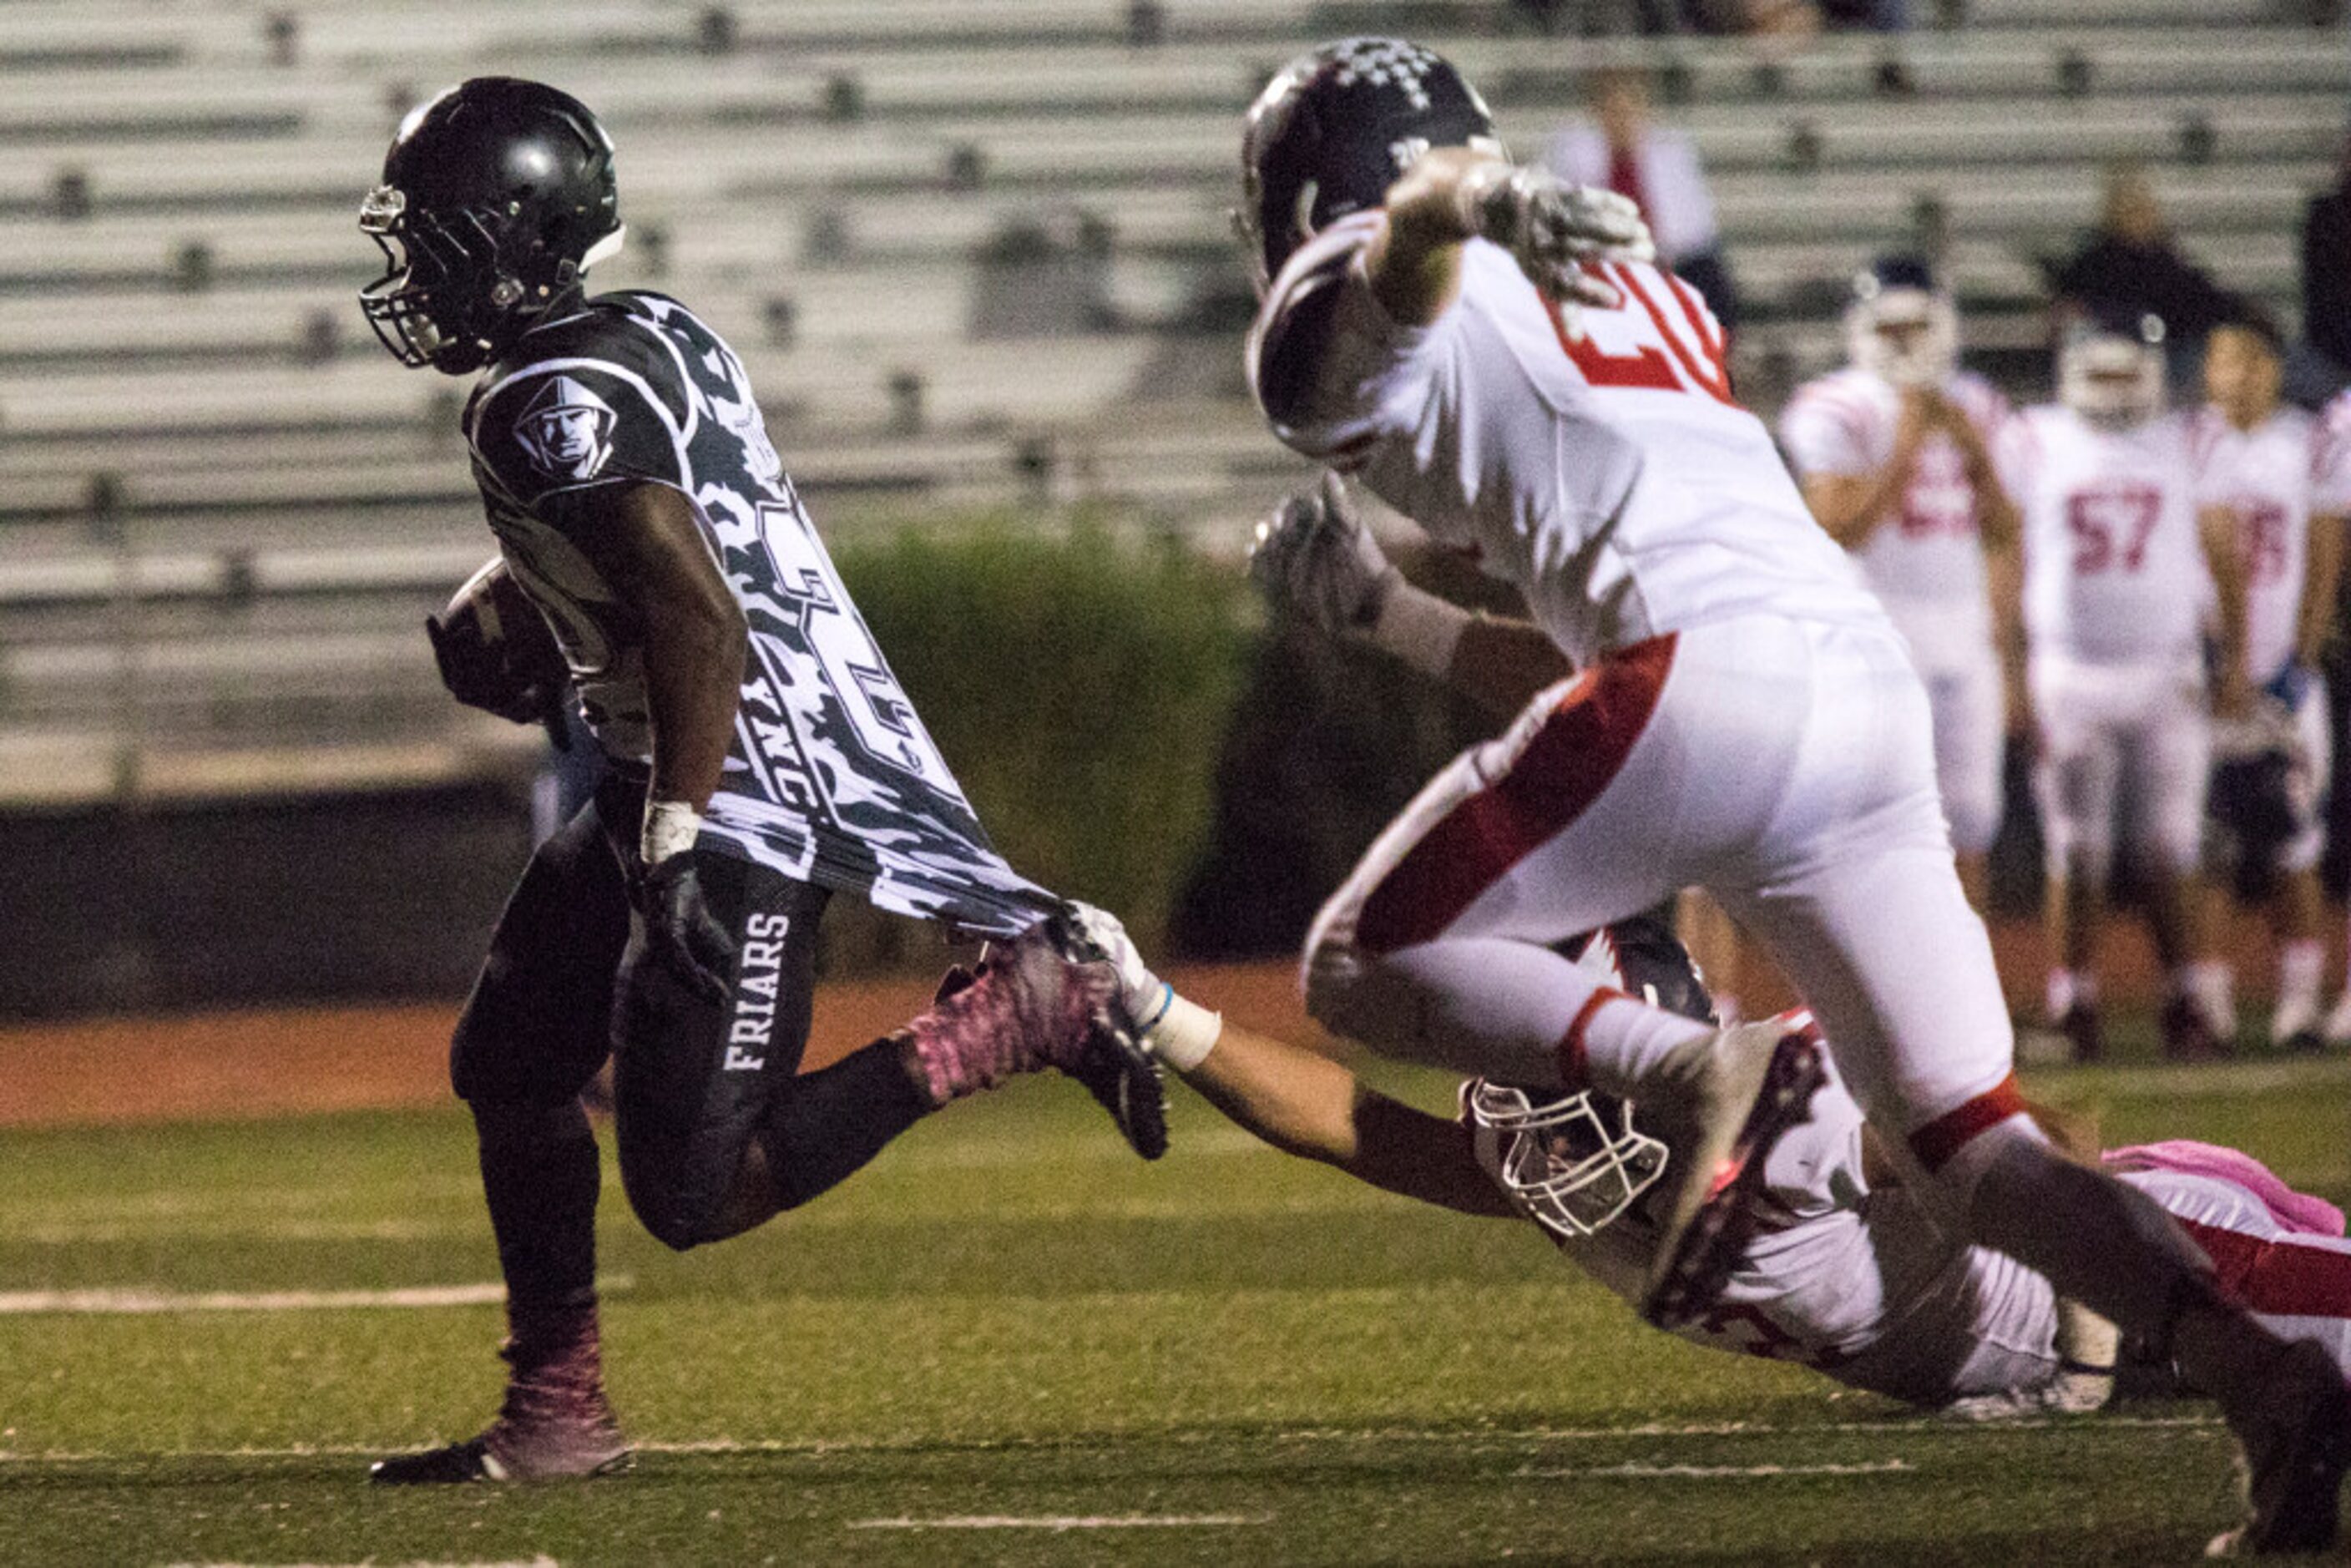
670	829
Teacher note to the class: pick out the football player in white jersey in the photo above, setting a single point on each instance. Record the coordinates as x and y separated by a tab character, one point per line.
1894	453
2118	563
1852	1275
2256	460
1711	695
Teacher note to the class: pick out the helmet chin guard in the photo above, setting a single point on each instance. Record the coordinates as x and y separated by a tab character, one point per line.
1572	1164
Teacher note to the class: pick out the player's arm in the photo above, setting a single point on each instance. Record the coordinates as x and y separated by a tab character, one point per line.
1299	1102
2321	581
1314	558
1451	195
2226	562
1850	507
646	542
1309	1105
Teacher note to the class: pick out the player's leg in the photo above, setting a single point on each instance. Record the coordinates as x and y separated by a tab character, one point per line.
1969	737
2298	912
2168	759
532	1035
1873	929
2280	1252
2076	775
717	1129
1436	950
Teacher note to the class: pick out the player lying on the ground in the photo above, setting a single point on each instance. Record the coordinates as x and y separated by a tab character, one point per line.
1708	696
1849	1272
763	758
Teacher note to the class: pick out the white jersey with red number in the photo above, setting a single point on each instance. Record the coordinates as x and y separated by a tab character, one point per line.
2265	477
1594	460
2113	561
1926	561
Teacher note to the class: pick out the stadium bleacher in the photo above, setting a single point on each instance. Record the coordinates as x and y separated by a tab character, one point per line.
222	500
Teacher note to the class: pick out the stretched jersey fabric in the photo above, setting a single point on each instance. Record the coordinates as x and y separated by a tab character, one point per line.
1926	562
2330	469
2265	477
832	778
2113	560
1595	460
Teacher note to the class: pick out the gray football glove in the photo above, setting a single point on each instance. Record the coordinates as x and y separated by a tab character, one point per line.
1552	228
1314	557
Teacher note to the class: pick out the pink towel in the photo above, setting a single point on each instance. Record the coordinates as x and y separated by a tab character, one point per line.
2297	1211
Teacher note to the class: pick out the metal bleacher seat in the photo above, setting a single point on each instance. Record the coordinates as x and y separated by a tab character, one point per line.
180	199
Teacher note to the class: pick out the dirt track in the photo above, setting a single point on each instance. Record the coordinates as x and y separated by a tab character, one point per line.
270	1063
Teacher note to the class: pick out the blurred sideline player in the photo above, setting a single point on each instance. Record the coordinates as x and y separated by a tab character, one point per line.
1894	453
762	759
2256	460
1492	354
2118	563
1851	1274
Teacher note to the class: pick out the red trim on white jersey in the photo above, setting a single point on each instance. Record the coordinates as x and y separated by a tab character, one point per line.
1564	765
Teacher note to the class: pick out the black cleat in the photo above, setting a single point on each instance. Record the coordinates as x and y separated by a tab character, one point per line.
2296	1446
1714	1217
536	1437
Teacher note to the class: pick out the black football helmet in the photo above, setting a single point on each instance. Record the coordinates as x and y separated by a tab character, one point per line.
1334	128
497	196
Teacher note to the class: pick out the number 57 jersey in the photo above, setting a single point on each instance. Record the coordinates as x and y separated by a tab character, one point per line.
1594	459
2114	562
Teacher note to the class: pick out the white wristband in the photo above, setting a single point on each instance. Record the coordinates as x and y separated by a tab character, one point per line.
1420	629
1183	1034
670	829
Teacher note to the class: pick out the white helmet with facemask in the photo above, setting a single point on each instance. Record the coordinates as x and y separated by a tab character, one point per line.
1901	323
2110	370
1573	1162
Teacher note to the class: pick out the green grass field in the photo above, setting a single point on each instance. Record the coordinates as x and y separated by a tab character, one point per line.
1007	1342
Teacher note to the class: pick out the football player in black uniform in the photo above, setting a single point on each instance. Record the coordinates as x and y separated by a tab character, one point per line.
763	757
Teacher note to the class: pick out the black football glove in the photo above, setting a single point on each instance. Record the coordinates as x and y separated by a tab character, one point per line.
681	934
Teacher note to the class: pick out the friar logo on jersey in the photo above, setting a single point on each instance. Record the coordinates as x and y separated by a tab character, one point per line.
566	430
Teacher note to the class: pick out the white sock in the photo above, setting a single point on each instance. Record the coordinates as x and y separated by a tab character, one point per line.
2210	984
2069	987
2301	963
1491	1006
1624	1041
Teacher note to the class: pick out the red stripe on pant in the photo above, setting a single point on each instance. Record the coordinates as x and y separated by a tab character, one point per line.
2276	1277
1562	768
1944	1136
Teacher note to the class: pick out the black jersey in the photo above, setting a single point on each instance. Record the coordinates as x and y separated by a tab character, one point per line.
833	778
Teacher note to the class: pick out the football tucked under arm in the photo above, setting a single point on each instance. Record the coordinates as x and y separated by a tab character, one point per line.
496	652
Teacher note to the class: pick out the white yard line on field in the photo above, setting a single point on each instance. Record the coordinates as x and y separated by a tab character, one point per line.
1635	1470
140	1299
372	1562
1060	1521
819	1447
